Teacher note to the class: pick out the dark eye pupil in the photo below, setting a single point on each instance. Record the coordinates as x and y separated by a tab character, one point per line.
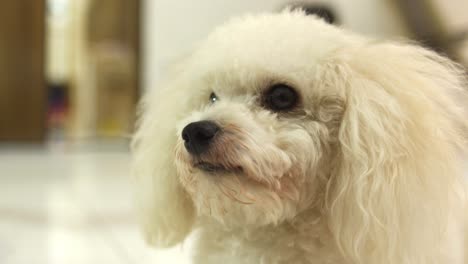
213	97
281	97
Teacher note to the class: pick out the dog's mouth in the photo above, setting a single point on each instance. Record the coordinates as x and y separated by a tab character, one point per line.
216	168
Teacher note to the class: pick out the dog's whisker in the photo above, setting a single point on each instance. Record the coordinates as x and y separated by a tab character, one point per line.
231	195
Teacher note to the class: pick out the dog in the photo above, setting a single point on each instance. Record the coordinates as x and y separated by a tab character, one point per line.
283	139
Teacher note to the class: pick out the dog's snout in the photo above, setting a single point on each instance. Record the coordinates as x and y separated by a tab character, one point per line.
198	136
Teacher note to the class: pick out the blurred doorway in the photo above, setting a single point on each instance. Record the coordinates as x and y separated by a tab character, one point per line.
92	67
22	87
69	69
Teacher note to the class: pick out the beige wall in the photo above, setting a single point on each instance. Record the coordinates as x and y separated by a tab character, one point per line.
454	14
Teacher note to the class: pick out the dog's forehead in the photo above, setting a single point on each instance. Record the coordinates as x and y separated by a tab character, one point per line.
280	44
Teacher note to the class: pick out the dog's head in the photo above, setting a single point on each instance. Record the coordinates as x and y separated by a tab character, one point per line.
276	114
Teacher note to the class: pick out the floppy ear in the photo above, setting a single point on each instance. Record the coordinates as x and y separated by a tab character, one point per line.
165	210
395	185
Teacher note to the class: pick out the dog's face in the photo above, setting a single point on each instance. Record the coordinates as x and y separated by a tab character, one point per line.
280	113
260	133
250	153
251	156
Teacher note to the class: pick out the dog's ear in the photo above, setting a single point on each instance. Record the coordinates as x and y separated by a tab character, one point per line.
165	210
390	195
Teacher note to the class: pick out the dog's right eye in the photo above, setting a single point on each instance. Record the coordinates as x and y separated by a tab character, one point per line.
280	97
213	98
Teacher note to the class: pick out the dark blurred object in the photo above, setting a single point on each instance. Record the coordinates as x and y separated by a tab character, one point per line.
57	109
322	11
440	25
23	94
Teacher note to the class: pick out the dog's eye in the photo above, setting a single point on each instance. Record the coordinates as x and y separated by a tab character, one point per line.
213	98
280	97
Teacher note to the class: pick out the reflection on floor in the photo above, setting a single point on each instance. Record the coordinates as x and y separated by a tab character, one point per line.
70	206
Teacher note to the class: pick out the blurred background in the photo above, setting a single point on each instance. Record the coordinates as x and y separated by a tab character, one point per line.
71	73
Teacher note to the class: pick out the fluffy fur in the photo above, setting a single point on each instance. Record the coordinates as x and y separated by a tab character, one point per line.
366	170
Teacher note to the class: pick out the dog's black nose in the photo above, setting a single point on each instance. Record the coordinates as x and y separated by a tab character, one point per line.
198	136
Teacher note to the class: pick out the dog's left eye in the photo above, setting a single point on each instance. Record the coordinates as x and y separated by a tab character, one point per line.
213	98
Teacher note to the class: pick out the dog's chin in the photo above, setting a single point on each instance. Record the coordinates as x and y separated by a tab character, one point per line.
235	201
229	196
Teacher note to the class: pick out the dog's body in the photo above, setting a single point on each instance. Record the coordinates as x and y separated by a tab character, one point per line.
282	139
308	240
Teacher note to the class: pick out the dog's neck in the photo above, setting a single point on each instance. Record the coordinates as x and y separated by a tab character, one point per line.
305	235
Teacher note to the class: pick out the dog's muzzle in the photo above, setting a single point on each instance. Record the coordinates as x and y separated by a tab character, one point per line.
199	135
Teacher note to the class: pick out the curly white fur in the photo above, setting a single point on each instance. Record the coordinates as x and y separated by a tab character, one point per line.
367	170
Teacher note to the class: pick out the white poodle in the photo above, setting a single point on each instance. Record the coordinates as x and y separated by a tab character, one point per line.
283	139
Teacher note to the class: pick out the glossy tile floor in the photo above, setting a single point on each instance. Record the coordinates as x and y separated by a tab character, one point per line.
60	205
